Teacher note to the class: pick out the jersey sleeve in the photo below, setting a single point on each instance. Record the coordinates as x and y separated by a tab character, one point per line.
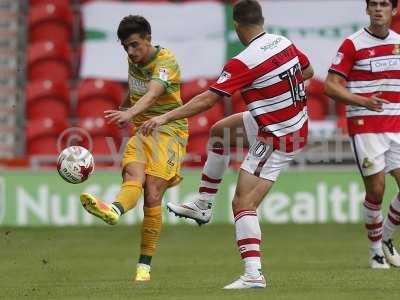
344	59
234	76
167	73
304	61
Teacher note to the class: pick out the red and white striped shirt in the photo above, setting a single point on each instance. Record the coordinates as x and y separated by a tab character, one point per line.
269	75
371	65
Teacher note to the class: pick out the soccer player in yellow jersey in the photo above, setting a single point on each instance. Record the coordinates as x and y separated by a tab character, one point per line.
150	164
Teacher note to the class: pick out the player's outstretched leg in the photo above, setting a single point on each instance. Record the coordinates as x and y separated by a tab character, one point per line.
99	208
200	209
236	130
391	222
110	213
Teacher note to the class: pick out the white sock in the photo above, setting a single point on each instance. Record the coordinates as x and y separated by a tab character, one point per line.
148	267
211	177
248	238
374	225
392	219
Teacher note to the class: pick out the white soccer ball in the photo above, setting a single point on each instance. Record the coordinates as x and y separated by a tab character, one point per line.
75	164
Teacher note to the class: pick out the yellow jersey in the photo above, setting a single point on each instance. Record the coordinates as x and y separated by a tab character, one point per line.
163	68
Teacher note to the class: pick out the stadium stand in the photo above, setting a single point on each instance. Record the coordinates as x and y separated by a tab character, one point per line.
42	135
46	58
55	35
48	98
97	95
50	21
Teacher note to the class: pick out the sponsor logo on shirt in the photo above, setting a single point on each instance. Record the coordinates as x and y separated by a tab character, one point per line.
137	85
338	58
224	77
388	64
271	45
164	74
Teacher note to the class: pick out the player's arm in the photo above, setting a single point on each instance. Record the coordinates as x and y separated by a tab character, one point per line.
155	90
124	106
335	87
306	68
198	104
308	73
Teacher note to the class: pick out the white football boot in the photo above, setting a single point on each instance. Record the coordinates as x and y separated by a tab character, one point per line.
247	282
198	210
391	254
378	261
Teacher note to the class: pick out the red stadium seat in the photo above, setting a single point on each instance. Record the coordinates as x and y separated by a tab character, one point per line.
96	96
315	87
192	88
47	98
50	21
35	2
42	135
317	101
197	150
317	107
199	129
202	123
105	140
49	60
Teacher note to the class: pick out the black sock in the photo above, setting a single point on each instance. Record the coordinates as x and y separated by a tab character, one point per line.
120	207
145	259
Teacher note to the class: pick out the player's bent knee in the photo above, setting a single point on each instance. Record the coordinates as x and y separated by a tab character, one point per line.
153	198
129	173
239	204
217	130
375	195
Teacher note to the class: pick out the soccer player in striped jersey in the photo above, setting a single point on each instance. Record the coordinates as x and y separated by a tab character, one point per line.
365	75
150	164
269	75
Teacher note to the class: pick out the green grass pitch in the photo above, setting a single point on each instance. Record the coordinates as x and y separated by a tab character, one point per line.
300	262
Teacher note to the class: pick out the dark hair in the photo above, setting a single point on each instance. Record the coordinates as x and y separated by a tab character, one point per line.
394	3
133	24
248	12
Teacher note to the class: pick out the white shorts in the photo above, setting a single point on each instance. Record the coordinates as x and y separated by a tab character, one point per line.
251	127
262	160
376	152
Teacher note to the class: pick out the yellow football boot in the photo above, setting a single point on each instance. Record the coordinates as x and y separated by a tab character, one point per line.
142	272
99	209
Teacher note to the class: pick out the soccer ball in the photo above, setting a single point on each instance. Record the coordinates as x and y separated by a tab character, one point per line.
75	164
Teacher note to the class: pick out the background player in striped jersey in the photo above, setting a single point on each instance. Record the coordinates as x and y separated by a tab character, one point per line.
366	70
268	73
150	163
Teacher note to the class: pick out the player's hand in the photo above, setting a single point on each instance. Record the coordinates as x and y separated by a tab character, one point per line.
117	116
153	124
375	103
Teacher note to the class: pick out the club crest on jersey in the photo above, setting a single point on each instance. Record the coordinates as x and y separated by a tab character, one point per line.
367	163
164	74
396	49
338	58
224	77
